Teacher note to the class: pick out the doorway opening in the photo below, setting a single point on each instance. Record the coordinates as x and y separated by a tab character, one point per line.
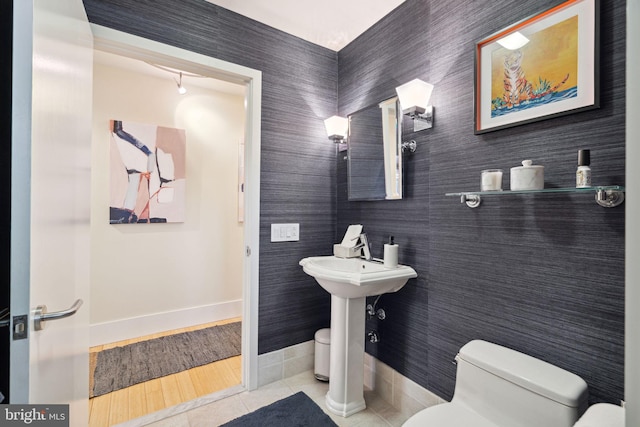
229	302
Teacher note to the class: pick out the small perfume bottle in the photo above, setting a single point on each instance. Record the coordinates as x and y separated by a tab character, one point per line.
583	174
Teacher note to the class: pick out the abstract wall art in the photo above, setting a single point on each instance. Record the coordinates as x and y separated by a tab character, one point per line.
542	67
147	173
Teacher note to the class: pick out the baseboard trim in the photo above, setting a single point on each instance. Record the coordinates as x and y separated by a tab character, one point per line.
284	363
397	390
118	330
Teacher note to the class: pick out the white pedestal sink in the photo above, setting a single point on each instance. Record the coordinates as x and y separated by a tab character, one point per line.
350	281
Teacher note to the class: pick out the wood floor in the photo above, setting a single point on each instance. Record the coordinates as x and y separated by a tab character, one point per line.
145	398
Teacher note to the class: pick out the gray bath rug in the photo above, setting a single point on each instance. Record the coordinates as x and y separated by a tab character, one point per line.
125	366
294	411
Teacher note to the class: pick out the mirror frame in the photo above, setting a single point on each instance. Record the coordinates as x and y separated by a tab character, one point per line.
374	174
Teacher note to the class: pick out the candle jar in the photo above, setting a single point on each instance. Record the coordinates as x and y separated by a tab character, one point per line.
527	177
491	180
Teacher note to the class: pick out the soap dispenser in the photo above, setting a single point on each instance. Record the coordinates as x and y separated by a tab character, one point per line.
390	254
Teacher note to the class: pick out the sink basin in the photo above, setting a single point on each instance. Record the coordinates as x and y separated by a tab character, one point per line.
356	277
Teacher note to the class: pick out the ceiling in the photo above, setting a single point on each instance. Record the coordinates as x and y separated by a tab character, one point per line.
171	75
329	23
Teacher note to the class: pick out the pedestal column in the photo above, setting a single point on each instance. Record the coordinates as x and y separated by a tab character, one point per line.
346	383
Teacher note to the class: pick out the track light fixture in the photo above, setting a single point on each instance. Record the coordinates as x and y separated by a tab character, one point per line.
181	89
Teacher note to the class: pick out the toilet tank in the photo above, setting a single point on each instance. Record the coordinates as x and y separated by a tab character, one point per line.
512	389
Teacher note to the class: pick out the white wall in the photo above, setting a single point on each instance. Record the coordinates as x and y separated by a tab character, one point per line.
151	277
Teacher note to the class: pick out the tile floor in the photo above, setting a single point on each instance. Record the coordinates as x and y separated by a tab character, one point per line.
220	408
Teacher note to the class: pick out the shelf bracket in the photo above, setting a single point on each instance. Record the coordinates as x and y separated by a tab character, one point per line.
609	198
472	200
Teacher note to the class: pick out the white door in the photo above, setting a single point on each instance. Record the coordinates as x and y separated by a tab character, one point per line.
51	139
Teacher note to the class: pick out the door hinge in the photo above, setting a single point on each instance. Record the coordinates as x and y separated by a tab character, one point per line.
247	251
20	327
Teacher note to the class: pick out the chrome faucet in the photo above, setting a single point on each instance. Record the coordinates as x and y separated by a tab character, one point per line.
364	245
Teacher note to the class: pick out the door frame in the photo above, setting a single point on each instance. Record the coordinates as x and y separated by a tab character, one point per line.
632	224
21	80
128	45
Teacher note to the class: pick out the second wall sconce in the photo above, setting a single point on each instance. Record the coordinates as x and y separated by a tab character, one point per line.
337	128
414	100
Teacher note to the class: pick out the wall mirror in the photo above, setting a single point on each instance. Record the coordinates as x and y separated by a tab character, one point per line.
375	153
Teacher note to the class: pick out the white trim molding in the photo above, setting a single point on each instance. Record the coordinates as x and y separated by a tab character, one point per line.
632	224
134	327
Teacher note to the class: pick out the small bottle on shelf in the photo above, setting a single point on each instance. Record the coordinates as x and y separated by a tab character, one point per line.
583	174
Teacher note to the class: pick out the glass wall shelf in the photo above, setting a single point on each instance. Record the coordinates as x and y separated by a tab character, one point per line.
608	196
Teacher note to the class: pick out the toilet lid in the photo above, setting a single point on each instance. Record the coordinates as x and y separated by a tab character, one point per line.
448	415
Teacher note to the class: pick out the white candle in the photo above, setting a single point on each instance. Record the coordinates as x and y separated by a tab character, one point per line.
491	180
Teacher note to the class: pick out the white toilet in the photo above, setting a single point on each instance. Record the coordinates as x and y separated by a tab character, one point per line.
602	415
500	387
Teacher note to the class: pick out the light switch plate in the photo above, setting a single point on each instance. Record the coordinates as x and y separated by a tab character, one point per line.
285	232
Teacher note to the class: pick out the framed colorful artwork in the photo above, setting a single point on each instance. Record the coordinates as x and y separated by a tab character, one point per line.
542	67
147	173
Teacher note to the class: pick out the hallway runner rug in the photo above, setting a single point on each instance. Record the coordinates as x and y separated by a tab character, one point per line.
121	367
293	411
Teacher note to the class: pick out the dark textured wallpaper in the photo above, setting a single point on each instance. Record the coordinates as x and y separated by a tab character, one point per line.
543	274
298	178
540	274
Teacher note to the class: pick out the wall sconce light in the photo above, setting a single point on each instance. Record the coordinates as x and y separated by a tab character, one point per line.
414	100
337	127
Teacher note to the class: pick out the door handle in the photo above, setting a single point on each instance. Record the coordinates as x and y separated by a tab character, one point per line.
40	315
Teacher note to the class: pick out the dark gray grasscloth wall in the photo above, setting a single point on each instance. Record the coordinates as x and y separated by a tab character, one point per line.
298	178
542	274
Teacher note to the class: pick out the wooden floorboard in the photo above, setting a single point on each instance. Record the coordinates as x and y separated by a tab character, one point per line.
119	407
160	393
99	409
153	393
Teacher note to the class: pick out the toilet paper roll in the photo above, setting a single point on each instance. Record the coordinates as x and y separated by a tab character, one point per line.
390	255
